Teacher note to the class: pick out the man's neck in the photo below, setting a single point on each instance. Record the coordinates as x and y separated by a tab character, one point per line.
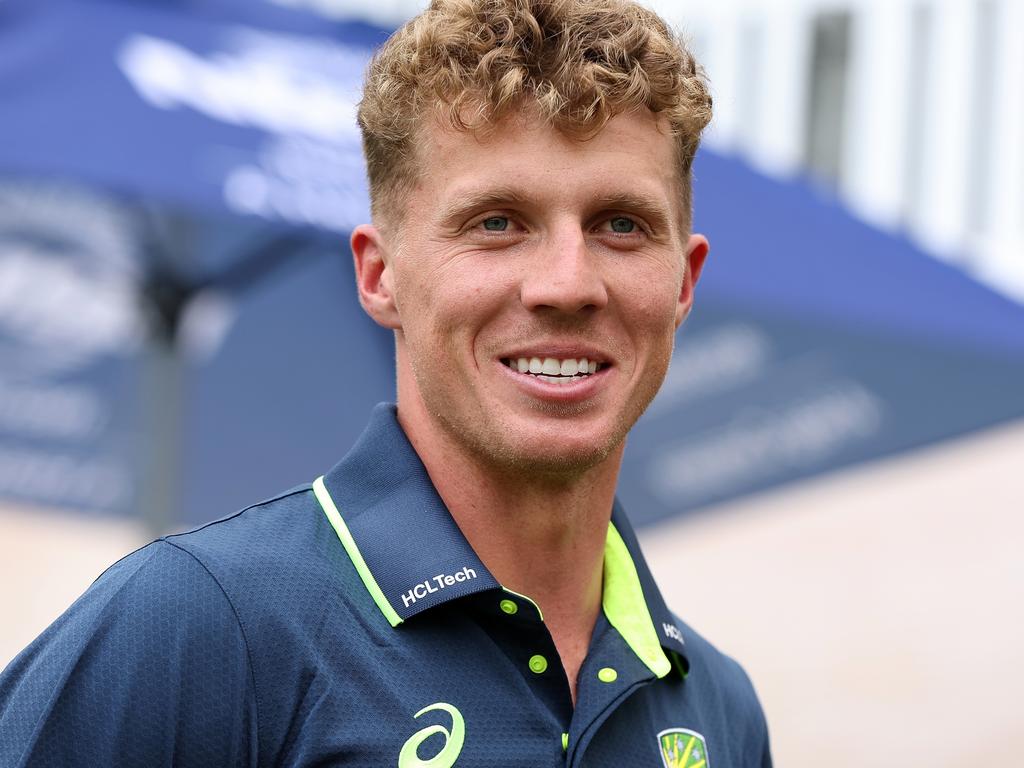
540	536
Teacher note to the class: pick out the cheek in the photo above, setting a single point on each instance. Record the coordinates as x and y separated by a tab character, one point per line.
448	281
652	298
422	301
439	318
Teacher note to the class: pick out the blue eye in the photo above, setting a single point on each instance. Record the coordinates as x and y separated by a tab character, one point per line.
622	225
496	224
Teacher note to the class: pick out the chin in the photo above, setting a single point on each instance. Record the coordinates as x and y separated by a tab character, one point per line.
558	459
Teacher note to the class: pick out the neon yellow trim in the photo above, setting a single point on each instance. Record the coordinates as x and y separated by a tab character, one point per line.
565	742
678	664
527	599
327	504
625	607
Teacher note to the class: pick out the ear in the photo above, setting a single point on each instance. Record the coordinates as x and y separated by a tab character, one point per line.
374	277
697	249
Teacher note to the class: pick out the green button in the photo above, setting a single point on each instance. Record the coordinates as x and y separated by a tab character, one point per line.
538	664
607	675
509	606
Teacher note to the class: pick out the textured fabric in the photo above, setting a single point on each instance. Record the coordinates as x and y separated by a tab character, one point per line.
253	641
144	669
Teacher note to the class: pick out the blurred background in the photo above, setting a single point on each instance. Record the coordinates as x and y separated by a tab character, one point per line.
830	483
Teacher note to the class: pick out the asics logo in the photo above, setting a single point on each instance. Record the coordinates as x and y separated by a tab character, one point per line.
453	739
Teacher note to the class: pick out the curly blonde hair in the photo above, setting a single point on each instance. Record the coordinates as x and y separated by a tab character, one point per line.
469	63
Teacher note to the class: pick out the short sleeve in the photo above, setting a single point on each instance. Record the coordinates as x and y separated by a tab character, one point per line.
148	668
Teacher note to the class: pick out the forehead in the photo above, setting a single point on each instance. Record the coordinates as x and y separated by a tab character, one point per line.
634	155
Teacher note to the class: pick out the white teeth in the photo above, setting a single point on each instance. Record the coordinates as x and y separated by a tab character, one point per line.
554	370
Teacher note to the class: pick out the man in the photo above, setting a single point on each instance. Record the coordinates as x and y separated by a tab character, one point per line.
462	588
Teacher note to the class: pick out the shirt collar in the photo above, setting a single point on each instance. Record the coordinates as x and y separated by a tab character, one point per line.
411	555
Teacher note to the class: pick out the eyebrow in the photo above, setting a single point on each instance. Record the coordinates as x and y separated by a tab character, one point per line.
653	208
464	202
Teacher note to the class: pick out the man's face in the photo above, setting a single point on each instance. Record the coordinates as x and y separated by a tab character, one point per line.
525	248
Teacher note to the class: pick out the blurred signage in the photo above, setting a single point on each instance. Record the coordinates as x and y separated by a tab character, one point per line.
204	110
69	332
301	92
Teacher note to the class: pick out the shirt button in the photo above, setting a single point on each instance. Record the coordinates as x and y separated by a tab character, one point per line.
607	675
538	664
508	606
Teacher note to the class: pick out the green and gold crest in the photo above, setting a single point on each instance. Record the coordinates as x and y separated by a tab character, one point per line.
681	748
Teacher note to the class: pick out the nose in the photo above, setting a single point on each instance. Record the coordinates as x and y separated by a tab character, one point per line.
565	275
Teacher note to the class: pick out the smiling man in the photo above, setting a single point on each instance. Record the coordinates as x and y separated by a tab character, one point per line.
462	589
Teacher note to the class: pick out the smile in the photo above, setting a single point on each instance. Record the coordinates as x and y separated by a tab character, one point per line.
554	370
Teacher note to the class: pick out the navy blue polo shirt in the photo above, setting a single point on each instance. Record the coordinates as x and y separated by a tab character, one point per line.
350	623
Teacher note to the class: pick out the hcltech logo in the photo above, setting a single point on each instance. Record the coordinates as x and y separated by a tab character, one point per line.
672	631
436	584
682	748
453	740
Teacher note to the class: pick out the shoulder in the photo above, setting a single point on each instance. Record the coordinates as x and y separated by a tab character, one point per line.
276	560
724	685
150	592
220	568
150	654
142	608
188	635
270	526
714	666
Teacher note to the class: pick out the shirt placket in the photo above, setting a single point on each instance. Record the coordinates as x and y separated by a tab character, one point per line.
516	625
609	675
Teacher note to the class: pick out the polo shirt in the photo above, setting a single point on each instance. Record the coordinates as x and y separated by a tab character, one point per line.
349	622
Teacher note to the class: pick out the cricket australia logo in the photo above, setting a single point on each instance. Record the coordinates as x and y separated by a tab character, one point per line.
682	748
